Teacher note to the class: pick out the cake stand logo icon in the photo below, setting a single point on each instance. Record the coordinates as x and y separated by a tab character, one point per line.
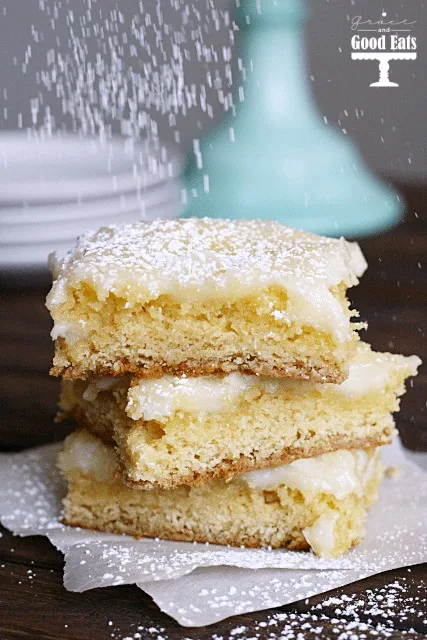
394	40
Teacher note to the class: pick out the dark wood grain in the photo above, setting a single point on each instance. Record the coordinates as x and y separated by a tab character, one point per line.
392	296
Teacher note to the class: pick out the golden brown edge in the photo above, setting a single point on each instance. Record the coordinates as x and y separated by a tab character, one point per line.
296	370
228	470
253	542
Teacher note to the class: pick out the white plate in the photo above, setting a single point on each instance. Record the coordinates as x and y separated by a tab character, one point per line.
34	255
145	201
65	167
58	230
16	257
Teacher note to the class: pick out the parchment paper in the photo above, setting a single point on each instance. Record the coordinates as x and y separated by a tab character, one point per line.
200	584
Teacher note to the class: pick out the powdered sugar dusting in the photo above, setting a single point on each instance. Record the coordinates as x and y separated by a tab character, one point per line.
194	251
374	613
369	613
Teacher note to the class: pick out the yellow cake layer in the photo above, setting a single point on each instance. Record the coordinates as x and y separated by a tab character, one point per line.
204	296
174	431
318	503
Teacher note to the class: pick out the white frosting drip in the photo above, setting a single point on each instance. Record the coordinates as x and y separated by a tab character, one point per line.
90	456
321	535
199	259
159	399
338	473
370	372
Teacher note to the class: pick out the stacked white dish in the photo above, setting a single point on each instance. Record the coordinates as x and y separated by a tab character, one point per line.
52	189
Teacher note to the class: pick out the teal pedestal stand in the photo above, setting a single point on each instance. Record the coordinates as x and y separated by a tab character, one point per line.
276	158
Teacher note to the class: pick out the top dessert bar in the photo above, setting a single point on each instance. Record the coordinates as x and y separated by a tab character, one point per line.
205	296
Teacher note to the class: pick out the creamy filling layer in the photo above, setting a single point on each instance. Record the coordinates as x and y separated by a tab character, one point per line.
339	473
87	454
321	536
160	399
310	304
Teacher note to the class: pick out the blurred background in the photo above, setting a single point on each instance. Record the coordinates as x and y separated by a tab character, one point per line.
388	127
170	72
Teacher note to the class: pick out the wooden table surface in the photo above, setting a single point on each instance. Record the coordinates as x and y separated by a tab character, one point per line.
33	602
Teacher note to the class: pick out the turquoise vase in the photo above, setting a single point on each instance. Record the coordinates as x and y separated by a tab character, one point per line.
276	158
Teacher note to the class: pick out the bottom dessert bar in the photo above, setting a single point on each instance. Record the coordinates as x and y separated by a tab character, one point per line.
318	503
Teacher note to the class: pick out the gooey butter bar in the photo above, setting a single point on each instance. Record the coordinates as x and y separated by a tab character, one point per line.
317	503
220	386
204	297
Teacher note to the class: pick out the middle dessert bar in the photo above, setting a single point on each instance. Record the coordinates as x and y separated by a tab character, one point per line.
176	430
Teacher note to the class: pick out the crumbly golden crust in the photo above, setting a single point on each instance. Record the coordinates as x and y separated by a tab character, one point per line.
296	543
227	470
318	372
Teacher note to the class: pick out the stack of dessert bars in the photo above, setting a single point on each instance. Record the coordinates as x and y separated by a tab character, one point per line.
220	386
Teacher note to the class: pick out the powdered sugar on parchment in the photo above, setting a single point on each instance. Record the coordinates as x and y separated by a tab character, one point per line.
199	584
372	613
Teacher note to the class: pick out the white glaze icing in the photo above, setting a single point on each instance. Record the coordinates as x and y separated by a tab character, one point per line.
338	473
321	535
159	399
203	258
370	372
89	455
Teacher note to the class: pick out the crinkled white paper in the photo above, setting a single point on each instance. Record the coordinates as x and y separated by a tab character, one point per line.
200	584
